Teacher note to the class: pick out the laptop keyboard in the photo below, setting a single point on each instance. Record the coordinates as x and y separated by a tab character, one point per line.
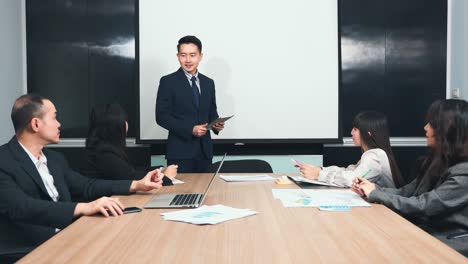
184	199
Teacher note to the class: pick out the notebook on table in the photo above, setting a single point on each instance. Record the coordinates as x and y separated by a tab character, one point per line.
305	183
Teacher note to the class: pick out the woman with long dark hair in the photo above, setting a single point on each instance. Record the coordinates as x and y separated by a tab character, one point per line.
377	164
437	200
106	146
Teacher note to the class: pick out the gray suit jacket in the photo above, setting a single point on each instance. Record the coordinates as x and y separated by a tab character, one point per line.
440	211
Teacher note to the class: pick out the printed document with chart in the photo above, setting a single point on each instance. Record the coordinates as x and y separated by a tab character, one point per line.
206	214
317	198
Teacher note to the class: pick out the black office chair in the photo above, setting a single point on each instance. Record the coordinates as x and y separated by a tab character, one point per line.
457	235
10	258
14	256
242	166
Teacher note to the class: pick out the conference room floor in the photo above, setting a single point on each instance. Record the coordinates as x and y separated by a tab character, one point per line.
275	235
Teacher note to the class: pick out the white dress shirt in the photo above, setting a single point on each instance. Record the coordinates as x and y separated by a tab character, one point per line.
41	165
197	81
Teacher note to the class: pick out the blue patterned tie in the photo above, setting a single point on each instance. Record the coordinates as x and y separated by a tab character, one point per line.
196	93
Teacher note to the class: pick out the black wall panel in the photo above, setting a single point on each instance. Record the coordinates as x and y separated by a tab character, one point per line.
112	54
81	53
57	59
362	57
415	68
393	60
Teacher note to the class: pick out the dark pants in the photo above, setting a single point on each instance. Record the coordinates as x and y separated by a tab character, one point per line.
190	165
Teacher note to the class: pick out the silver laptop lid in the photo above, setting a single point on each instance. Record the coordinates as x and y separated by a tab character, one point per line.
167	200
212	179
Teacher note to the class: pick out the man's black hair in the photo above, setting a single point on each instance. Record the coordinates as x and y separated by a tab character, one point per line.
190	40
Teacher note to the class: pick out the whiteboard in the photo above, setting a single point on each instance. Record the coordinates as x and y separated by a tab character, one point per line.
275	64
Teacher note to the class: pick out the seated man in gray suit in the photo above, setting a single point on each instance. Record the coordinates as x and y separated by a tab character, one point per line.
37	185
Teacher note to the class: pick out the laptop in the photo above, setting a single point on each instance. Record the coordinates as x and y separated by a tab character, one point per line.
182	200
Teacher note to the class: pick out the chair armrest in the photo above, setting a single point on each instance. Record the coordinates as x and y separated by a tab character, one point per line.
457	235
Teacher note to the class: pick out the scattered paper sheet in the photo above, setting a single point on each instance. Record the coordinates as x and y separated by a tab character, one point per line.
207	214
240	178
317	198
176	181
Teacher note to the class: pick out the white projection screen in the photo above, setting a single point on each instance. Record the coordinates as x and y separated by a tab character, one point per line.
275	64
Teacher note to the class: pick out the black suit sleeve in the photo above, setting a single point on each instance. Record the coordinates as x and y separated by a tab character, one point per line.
166	180
213	108
22	201
20	207
164	110
111	166
91	189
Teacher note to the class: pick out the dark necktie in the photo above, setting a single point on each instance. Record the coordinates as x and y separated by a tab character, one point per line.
196	93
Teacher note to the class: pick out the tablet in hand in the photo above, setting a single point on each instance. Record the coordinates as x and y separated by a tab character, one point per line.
219	119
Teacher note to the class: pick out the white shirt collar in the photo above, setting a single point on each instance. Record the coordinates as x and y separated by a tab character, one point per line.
42	157
189	76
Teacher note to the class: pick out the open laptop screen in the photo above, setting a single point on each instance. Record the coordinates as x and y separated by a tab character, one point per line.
212	179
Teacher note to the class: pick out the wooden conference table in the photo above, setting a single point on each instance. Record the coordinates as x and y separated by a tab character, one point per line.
275	235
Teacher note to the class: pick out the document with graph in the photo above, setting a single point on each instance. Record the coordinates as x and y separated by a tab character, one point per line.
207	214
318	198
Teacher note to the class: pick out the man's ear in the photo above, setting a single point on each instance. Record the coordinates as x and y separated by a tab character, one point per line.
34	124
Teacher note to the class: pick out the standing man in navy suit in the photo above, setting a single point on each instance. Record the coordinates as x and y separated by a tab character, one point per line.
185	104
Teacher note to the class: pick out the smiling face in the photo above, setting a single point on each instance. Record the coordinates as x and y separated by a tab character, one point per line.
47	126
430	135
189	57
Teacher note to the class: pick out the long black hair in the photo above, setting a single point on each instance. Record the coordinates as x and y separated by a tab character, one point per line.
373	128
449	120
107	125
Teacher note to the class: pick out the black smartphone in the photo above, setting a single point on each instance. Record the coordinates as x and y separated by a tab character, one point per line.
130	210
127	210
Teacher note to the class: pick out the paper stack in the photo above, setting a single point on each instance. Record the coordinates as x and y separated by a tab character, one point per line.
241	178
207	214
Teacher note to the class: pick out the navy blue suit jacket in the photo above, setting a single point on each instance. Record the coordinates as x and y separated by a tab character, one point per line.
28	216
176	111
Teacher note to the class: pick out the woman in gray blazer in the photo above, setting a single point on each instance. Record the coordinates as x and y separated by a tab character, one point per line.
437	200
